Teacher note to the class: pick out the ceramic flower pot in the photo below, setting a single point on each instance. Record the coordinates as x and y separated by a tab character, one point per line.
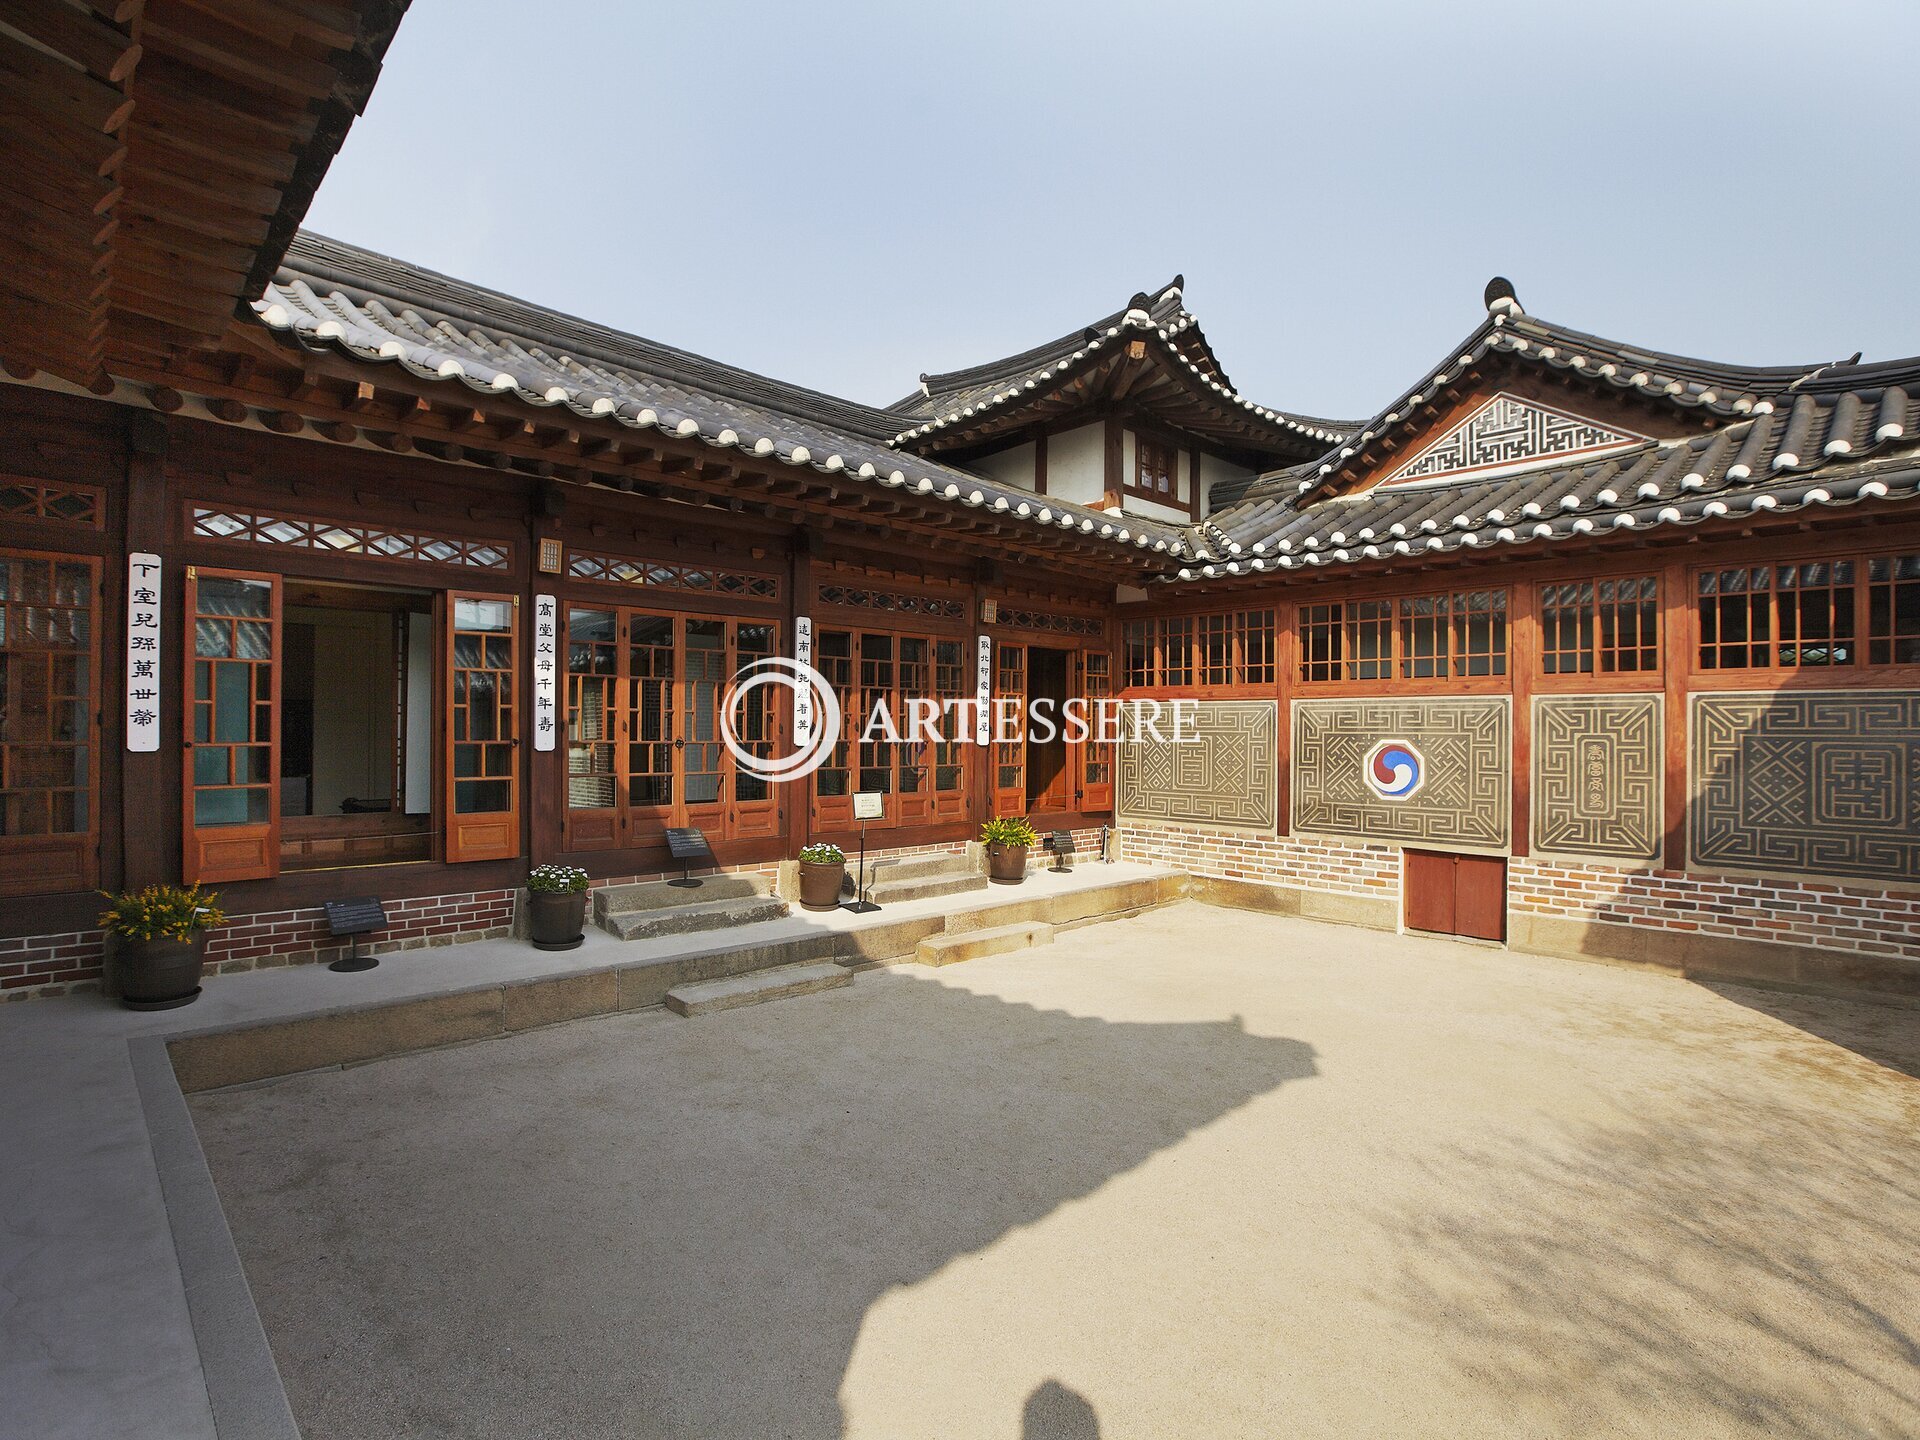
821	883
160	974
556	921
1007	864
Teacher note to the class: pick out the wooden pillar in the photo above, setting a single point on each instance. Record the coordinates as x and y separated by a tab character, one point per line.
1677	640
148	816
1522	660
980	784
1040	463
1286	670
1115	453
795	798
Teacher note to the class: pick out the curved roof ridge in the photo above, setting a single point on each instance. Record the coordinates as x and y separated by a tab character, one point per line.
364	274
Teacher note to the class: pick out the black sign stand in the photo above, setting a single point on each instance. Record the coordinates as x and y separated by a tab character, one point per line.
687	845
861	904
1060	842
352	919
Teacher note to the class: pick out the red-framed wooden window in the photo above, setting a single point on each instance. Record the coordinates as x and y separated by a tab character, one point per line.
1094	683
923	780
1213	651
1893	610
231	810
1454	634
1778	617
49	722
1600	627
482	755
1155	469
1009	755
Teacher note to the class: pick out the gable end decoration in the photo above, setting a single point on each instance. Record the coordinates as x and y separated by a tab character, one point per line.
1507	430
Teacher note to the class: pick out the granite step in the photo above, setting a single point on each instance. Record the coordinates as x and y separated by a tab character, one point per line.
974	944
917	867
663	894
924	887
651	923
704	996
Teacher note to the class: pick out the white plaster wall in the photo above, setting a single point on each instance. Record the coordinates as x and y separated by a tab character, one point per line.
1213	470
1154	510
1010	467
1077	465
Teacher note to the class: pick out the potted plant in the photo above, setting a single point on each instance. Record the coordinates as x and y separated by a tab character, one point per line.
1007	843
823	874
160	942
556	906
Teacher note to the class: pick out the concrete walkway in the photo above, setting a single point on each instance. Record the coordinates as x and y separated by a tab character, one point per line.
96	1332
1202	1173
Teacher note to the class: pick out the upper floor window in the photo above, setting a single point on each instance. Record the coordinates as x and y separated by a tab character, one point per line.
1456	634
1893	610
1210	652
1154	469
1600	627
1788	617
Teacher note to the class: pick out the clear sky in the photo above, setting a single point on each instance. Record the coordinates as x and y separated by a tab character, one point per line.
846	194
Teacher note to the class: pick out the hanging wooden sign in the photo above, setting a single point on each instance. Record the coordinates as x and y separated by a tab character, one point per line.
144	684
983	691
803	695
546	671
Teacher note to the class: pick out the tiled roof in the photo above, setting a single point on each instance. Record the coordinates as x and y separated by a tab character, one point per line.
1820	446
966	400
377	310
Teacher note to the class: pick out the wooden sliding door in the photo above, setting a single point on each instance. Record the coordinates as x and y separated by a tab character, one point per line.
232	771
482	752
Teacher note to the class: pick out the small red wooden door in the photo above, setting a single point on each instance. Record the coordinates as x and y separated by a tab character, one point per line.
481	754
1456	894
232	773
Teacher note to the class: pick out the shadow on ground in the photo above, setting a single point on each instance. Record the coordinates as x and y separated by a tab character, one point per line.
1744	1268
643	1226
1886	1033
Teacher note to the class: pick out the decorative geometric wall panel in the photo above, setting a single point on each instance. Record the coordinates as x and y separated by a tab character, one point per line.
1818	782
1598	776
1460	795
1226	775
1507	430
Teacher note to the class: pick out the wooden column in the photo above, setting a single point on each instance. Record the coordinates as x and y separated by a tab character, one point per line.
980	784
1286	669
1040	463
148	816
1115	454
1522	660
1677	640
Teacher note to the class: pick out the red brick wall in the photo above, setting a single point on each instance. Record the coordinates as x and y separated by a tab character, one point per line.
56	964
1788	912
1313	864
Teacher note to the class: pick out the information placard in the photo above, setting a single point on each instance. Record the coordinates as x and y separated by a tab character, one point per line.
869	805
546	671
144	683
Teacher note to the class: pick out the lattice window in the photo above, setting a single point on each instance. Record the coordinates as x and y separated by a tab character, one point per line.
1154	469
25	499
1893	610
351	539
1215	651
1051	621
1452	635
671	575
1605	627
892	601
1346	640
1787	617
49	608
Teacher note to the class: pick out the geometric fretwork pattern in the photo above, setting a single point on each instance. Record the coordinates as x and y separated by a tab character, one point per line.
669	575
349	538
1226	774
1506	430
1465	796
1812	782
1598	776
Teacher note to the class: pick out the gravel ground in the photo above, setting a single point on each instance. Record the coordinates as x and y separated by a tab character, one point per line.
1201	1173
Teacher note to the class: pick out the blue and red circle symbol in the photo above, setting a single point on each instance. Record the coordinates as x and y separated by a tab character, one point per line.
1395	770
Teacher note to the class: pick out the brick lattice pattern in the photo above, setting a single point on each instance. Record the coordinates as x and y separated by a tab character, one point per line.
1807	782
1465	796
1597	776
1227	776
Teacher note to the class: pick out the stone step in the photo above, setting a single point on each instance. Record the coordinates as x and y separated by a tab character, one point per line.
662	894
917	867
650	924
703	996
973	944
896	892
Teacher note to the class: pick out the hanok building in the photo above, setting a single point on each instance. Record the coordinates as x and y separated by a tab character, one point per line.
1589	648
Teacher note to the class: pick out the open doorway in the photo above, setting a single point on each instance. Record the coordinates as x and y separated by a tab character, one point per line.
1048	779
356	773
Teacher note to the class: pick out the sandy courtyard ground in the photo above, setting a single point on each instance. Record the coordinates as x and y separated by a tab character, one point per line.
1202	1173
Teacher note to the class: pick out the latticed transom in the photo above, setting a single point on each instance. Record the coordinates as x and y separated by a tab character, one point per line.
45	500
373	540
670	575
